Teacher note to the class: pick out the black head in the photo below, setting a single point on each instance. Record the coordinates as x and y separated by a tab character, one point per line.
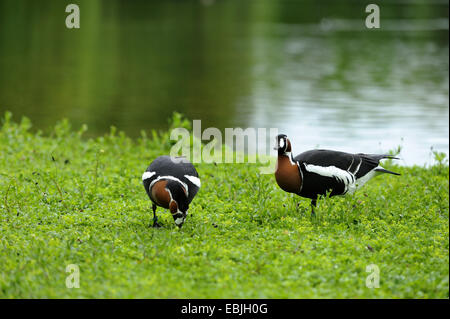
179	204
283	144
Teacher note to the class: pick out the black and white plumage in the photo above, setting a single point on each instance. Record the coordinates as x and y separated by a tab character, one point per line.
171	182
316	172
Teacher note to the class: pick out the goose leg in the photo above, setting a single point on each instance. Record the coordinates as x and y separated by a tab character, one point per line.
313	205
155	218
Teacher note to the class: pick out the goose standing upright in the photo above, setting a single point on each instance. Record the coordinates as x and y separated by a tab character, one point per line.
316	172
172	183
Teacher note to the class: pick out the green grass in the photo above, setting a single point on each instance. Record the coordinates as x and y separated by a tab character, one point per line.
66	199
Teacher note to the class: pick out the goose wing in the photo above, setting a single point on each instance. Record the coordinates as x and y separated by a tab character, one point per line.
358	164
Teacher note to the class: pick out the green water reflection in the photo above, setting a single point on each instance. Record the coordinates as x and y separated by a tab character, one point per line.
310	68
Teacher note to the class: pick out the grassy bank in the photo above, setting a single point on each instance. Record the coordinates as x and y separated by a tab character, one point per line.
66	200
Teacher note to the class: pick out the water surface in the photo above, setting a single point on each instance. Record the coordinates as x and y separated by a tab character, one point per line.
311	69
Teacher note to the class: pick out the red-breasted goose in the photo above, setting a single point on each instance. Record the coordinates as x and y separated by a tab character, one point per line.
171	183
316	172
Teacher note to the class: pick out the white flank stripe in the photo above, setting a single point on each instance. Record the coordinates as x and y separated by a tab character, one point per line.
328	171
345	177
194	180
147	175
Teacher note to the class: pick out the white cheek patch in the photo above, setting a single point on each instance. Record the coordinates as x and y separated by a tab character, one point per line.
179	220
281	143
147	175
194	180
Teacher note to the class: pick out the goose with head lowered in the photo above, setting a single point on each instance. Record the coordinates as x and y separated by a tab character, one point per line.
171	183
316	172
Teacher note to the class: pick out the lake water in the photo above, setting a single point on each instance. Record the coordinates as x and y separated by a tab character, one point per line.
311	69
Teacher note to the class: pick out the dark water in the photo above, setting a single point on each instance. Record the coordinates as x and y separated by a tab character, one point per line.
309	68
